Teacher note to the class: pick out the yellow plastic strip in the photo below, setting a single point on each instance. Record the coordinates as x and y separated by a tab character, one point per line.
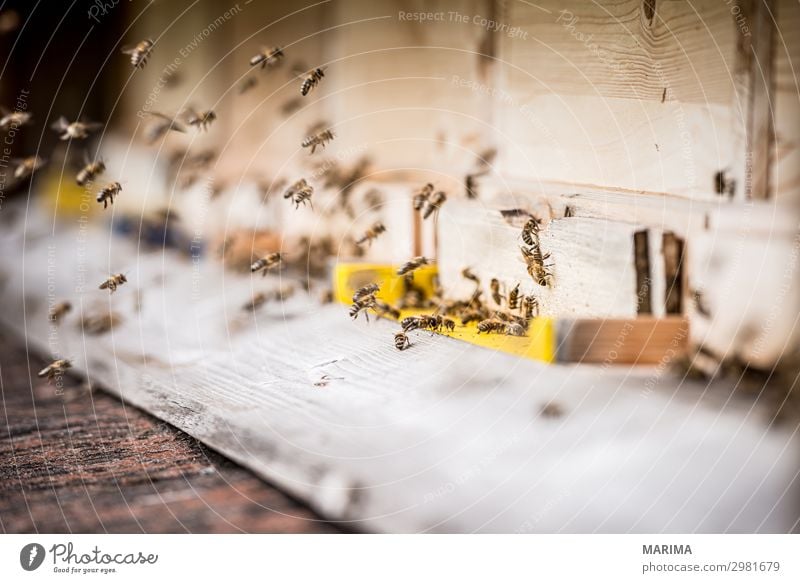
539	344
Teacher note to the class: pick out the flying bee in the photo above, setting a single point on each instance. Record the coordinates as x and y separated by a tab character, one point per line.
14	119
320	139
100	323
422	196
200	119
267	57
384	309
266	263
466	273
312	80
290	106
300	192
77	129
494	286
159	128
372	233
435	202
113	282
530	231
362	305
401	341
530	307
513	298
471	184
90	171
258	300
27	166
468	316
108	192
59	310
412	265
55	368
139	53
364	291
491	325
247	85
535	261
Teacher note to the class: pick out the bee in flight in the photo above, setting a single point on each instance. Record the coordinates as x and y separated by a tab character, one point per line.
266	263
320	139
300	192
434	203
27	166
59	310
267	57
76	130
90	171
139	53
530	307
113	282
247	85
372	233
312	80
159	128
108	192
55	368
513	298
422	196
14	119
200	119
412	265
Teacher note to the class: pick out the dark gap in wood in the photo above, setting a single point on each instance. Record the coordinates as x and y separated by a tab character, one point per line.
641	252
673	251
649	7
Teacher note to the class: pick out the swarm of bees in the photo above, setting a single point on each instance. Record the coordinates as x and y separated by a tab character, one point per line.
319	139
300	193
311	80
56	368
139	53
108	192
371	234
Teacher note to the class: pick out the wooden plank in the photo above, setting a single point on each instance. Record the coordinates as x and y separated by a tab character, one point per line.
329	410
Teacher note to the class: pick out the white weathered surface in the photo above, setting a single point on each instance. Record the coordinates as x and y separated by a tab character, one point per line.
442	437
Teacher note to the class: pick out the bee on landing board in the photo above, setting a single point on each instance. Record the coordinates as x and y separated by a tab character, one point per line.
412	265
530	231
401	341
312	80
320	139
59	310
536	266
513	298
90	171
372	233
267	57
78	130
494	286
113	282
108	192
139	53
530	307
266	263
27	166
55	368
300	192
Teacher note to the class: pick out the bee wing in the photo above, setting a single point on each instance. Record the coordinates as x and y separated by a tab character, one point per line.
60	124
93	126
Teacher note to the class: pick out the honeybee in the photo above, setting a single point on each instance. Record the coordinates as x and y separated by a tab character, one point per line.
320	139
468	316
372	233
362	305
435	202
530	307
90	171
494	286
200	119
411	323
515	329
55	368
258	300
422	196
466	273
491	325
159	128
364	291
14	119
247	85
290	106
448	324
266	263
401	341
312	80
113	282
513	298
140	53
108	192
100	323
536	266
300	192
27	166
551	410
59	310
471	184
77	129
267	57
530	231
412	265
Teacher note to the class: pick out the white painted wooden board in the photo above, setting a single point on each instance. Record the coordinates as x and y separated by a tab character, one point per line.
442	437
